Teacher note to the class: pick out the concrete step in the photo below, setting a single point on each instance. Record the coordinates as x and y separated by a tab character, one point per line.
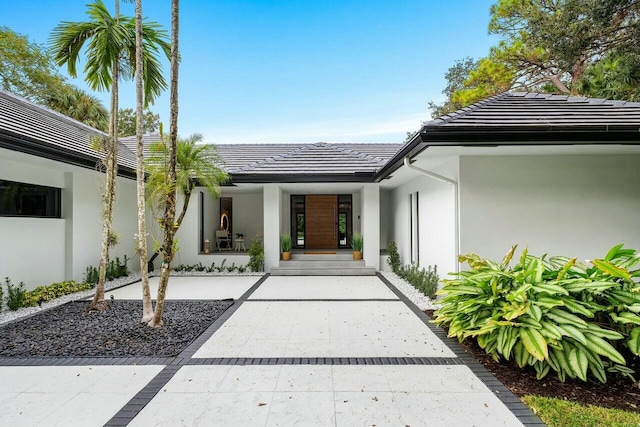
340	256
322	263
359	271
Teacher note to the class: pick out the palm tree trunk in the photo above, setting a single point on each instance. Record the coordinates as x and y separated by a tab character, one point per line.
147	307
170	205
111	160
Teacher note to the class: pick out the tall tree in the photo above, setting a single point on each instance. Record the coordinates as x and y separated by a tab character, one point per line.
553	46
128	122
147	307
110	48
554	41
455	77
168	220
26	69
80	105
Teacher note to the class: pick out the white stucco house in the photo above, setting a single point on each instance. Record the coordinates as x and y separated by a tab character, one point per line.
557	174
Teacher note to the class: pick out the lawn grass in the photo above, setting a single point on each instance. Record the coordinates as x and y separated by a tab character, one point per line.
562	413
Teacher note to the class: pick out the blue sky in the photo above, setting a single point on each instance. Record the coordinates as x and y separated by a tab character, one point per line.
297	71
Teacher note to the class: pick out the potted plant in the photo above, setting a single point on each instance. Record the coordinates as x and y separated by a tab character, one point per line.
285	246
356	244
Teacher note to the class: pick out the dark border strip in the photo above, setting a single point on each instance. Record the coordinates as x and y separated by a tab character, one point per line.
242	361
129	411
133	407
510	400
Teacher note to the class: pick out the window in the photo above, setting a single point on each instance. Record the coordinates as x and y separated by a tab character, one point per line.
414	228
29	200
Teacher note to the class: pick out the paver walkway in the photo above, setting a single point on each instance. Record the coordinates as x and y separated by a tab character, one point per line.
307	351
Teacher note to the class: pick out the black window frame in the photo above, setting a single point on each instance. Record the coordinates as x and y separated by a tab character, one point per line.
30	200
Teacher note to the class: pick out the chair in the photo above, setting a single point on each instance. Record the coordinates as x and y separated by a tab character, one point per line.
223	240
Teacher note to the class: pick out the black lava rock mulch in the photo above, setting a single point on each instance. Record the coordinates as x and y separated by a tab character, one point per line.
67	330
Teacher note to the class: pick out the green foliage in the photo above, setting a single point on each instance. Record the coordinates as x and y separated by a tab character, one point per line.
455	76
423	279
109	39
256	255
561	413
127	122
549	314
616	76
91	275
285	242
16	294
1	296
27	69
212	268
357	242
394	257
46	293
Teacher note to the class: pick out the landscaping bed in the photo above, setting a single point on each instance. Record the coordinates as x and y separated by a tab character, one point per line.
616	393
67	330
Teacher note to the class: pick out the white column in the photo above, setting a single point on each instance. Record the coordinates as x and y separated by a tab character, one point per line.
67	214
370	217
271	202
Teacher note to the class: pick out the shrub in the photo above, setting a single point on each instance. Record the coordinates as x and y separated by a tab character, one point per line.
256	255
550	314
394	257
423	279
357	242
1	296
15	294
242	268
46	293
91	275
221	268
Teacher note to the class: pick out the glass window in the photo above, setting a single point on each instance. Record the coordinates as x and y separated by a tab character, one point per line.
29	200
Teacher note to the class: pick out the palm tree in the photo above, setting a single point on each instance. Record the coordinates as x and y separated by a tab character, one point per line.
195	164
147	307
110	49
80	105
167	221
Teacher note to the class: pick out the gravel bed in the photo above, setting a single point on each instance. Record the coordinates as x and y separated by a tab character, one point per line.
415	296
67	330
8	315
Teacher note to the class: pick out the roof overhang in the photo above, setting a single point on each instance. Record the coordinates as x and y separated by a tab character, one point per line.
438	136
300	178
33	147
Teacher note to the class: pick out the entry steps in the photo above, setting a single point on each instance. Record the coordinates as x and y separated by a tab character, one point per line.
322	264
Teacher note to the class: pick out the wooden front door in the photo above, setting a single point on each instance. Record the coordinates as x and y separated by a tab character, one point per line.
321	216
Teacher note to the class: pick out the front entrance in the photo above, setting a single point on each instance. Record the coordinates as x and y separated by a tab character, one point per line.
321	221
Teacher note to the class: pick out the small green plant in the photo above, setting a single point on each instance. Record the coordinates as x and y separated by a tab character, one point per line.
46	293
211	268
423	279
221	268
357	242
179	267
91	275
242	268
394	257
199	267
1	296
285	242
15	294
256	255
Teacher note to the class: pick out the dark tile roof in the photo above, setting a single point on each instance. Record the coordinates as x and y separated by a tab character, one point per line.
131	142
541	110
305	159
33	129
521	118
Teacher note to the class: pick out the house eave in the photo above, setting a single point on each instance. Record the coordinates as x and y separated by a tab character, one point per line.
299	178
432	136
38	149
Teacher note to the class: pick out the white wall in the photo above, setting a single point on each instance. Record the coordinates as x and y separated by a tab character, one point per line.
386	223
560	205
436	222
371	225
44	250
